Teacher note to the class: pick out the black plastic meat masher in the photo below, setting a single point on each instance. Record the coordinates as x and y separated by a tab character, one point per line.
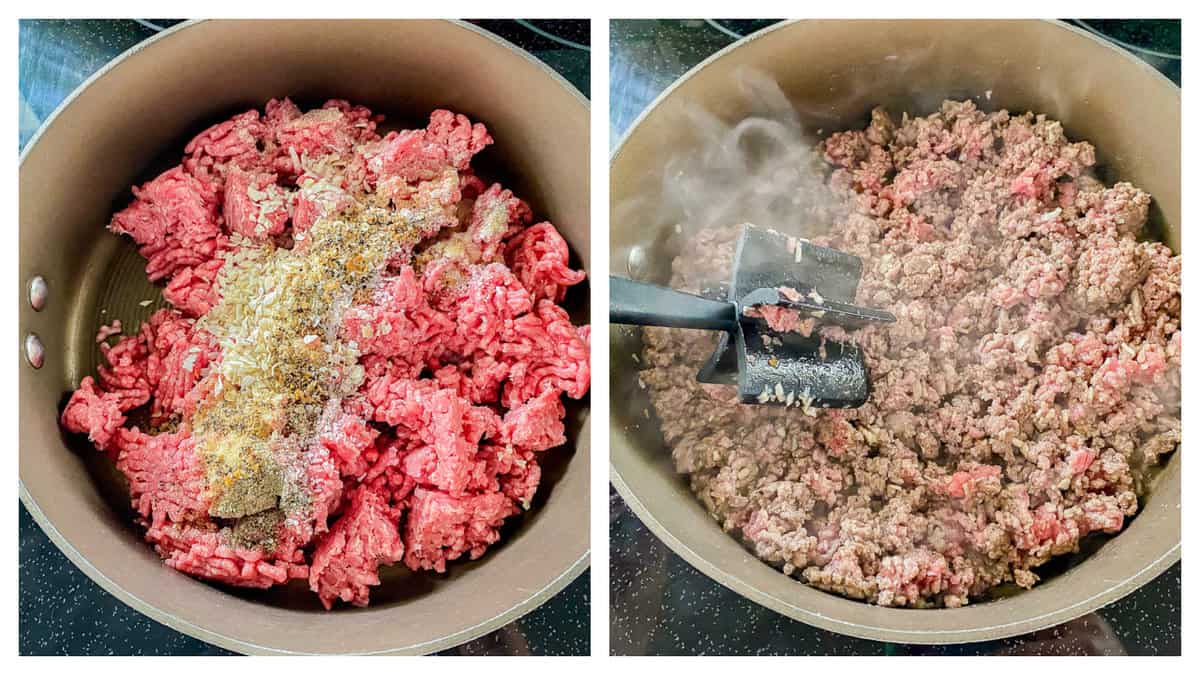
768	366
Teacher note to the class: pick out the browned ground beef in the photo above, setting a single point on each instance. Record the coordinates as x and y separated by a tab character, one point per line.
1020	401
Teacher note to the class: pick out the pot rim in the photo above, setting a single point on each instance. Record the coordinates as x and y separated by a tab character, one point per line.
46	123
824	621
694	70
223	639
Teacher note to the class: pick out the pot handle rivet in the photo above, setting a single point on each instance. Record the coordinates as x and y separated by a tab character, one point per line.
38	291
637	263
35	353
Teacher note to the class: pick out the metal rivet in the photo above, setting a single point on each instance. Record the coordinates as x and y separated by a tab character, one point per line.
38	291
637	262
35	353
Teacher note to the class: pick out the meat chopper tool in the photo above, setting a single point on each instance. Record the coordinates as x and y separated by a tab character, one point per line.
768	366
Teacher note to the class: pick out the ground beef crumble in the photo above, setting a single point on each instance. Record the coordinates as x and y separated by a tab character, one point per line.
460	352
1021	401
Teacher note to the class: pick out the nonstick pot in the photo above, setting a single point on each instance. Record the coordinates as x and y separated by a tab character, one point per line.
835	72
131	120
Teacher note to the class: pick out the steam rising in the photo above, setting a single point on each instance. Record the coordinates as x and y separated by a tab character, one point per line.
763	169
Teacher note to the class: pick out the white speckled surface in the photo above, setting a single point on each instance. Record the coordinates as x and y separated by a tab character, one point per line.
662	605
63	612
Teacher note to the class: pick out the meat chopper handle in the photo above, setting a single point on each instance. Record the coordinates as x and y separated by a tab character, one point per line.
641	304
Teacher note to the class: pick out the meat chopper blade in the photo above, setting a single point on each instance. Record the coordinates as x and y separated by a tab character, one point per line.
771	367
790	369
812	304
765	258
771	268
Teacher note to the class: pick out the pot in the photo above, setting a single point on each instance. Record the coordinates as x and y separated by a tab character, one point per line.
130	121
835	72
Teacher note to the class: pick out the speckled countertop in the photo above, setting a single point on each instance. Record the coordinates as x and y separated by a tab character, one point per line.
63	612
662	605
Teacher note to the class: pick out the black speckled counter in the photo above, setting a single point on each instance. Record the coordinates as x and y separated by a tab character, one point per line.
662	605
63	612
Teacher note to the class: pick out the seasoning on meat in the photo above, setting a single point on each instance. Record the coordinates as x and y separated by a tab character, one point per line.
364	357
1021	402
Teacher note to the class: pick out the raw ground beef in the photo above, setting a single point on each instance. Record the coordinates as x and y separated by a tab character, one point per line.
1022	400
458	340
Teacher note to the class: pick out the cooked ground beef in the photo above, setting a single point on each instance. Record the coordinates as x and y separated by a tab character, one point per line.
365	357
1020	402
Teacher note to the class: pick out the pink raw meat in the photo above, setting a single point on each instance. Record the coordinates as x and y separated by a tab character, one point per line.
464	354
